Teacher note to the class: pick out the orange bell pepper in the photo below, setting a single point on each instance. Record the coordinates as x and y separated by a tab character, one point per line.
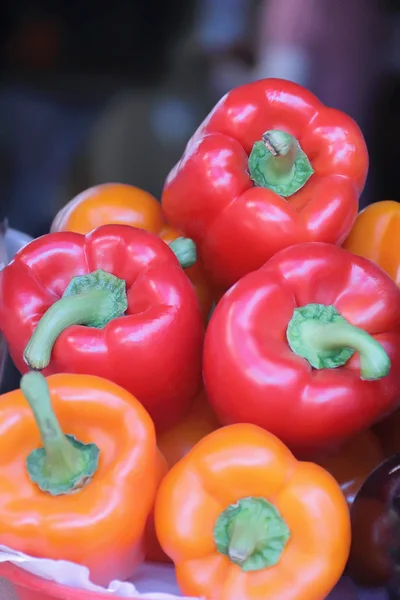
375	235
117	203
177	441
353	462
86	496
174	444
242	518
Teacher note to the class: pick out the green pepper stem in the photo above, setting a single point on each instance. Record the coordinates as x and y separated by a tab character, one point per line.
325	337
243	541
59	452
277	162
252	534
185	251
322	336
63	464
92	300
73	310
283	149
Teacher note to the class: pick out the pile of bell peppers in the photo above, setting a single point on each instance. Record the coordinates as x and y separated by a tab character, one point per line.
182	361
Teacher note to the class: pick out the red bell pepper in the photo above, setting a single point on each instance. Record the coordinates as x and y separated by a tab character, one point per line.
270	167
307	347
114	303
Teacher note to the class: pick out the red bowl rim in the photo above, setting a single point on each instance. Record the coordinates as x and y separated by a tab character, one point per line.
20	577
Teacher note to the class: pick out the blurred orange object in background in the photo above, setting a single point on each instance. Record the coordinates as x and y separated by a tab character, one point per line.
353	462
376	234
121	204
175	443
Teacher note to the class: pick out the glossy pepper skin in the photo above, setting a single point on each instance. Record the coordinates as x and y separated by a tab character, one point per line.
121	204
153	349
210	194
375	235
308	347
242	518
101	525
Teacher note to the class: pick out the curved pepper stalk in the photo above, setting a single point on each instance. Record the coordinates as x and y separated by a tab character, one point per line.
322	336
64	465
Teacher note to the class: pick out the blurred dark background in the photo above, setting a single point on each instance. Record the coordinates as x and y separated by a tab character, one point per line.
94	92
